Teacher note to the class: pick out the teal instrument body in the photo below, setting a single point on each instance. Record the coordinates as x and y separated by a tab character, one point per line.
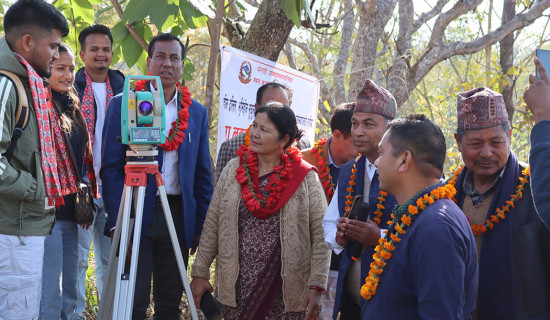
142	113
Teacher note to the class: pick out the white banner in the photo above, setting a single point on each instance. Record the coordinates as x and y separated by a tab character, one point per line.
242	74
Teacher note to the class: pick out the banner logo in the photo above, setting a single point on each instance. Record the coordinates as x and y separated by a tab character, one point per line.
245	75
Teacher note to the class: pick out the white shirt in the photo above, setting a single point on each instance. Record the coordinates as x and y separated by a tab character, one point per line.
100	98
333	215
170	170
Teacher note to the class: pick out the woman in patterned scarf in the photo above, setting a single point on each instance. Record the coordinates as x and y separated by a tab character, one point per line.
58	299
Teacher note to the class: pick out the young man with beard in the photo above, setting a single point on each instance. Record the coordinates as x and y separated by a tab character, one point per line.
96	85
375	107
30	184
494	192
425	266
184	162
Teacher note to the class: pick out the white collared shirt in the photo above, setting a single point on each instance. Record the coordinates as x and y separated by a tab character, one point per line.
170	170
333	215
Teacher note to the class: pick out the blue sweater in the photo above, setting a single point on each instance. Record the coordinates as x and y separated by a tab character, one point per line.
432	273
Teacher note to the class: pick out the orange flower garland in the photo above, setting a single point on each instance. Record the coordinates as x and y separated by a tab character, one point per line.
252	197
351	189
385	247
501	212
247	137
177	132
324	171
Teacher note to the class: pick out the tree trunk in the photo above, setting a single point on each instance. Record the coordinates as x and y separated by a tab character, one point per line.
214	27
341	63
268	32
374	14
507	56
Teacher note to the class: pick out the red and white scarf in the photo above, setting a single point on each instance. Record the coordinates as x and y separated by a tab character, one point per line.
87	107
52	145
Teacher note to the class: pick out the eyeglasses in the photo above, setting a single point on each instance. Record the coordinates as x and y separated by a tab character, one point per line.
161	58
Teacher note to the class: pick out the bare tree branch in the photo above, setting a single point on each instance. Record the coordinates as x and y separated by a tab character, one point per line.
290	56
434	55
325	93
426	16
444	19
253	3
130	27
397	79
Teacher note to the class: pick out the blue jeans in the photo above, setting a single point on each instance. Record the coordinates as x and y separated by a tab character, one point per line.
58	299
102	248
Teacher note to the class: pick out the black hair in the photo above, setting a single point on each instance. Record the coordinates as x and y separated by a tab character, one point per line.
269	85
341	118
423	138
93	29
25	15
284	120
164	37
505	126
73	114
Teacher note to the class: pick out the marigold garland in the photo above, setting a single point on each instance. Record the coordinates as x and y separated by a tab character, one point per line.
247	137
479	229
324	169
351	189
385	247
252	197
177	133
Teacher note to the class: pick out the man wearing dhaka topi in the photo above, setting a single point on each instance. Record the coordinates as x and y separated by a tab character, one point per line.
426	265
494	191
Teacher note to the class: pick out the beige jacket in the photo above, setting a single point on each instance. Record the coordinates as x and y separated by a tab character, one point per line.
305	256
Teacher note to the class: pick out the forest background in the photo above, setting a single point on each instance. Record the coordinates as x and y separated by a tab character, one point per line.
424	51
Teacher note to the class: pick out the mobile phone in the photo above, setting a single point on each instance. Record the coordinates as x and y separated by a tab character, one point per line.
357	199
544	57
210	307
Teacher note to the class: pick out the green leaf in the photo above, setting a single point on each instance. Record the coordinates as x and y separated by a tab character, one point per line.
83	10
192	17
162	14
188	69
119	32
117	53
202	7
136	10
131	49
292	10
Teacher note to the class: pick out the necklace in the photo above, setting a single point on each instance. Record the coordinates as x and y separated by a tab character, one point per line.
250	190
351	191
177	133
324	170
385	247
501	212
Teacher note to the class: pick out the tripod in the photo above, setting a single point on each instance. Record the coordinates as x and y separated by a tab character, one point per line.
118	298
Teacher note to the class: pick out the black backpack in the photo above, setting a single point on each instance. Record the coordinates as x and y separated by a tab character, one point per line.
22	114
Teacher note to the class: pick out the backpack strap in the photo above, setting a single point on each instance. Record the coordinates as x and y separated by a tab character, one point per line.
21	115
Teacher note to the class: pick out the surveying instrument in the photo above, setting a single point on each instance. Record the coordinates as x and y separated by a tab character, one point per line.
142	128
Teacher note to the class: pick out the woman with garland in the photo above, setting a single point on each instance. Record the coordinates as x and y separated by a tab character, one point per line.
74	153
264	227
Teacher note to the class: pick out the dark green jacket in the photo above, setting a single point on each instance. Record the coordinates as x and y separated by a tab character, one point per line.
23	208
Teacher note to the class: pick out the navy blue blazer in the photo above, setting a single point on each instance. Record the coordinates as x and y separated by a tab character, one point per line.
194	171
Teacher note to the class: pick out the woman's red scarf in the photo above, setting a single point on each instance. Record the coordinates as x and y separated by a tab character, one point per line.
282	184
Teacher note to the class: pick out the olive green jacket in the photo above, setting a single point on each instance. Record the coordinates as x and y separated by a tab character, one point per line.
23	209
